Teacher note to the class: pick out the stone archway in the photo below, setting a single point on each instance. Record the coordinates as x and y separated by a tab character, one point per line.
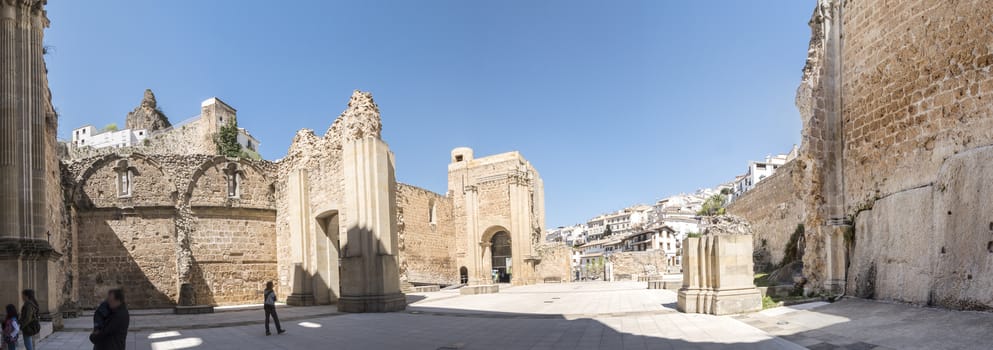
463	275
501	256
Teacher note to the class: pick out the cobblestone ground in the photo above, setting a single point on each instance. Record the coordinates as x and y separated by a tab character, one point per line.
592	315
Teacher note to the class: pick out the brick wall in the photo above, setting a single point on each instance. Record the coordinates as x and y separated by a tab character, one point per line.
774	208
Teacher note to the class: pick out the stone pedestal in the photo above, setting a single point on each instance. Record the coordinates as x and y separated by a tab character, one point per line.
479	289
370	271
717	276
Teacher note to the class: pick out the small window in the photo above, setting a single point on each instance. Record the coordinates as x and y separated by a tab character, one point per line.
432	212
458	158
124	180
233	176
221	119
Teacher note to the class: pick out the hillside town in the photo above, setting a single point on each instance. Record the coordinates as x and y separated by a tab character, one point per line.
654	232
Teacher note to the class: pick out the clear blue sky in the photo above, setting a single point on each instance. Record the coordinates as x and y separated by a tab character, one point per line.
614	102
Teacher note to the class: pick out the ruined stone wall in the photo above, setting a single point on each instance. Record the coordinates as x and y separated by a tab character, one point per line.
774	208
631	265
911	82
194	137
916	90
427	250
134	250
321	158
177	226
234	255
556	262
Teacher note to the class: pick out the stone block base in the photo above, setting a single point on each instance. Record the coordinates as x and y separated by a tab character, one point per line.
480	289
193	309
373	303
426	289
300	300
719	302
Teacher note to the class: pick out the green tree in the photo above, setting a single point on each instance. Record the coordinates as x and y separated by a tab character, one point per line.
227	141
607	232
110	127
713	206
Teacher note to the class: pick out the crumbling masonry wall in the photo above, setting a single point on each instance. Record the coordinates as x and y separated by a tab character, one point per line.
775	208
904	87
178	225
427	245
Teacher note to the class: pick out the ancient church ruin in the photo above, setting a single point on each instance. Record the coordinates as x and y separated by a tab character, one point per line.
328	222
172	220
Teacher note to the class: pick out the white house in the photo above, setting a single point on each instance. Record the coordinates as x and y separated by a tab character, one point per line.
89	136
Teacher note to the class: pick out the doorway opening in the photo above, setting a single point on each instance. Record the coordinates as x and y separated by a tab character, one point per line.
501	253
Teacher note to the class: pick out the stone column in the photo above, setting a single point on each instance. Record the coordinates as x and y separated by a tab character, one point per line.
370	271
26	255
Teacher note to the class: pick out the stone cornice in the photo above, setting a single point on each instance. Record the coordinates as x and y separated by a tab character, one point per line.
27	248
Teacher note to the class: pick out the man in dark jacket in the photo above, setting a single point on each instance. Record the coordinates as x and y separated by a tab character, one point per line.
114	334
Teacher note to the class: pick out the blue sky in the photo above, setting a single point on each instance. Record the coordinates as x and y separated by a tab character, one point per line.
615	103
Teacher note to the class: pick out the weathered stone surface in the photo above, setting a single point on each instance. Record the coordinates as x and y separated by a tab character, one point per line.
895	248
147	115
717	275
427	237
634	266
479	289
555	265
774	208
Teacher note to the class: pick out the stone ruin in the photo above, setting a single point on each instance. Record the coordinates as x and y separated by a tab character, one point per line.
175	223
717	270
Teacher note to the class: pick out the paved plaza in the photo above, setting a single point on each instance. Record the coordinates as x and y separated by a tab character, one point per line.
593	315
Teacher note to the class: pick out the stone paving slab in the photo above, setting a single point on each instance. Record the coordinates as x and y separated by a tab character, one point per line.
867	324
164	322
620	316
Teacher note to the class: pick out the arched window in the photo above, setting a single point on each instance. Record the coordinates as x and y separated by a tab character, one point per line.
124	180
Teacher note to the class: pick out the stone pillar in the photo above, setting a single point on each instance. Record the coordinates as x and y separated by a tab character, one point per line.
298	195
370	271
718	276
26	255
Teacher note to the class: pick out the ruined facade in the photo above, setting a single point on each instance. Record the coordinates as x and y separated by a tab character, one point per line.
328	223
895	101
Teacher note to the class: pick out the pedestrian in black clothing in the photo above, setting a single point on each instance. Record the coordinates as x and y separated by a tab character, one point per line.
114	333
270	309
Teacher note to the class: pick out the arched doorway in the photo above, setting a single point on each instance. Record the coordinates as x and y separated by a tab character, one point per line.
463	275
501	253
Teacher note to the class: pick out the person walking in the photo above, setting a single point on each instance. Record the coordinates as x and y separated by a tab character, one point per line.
30	325
11	329
113	334
270	309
